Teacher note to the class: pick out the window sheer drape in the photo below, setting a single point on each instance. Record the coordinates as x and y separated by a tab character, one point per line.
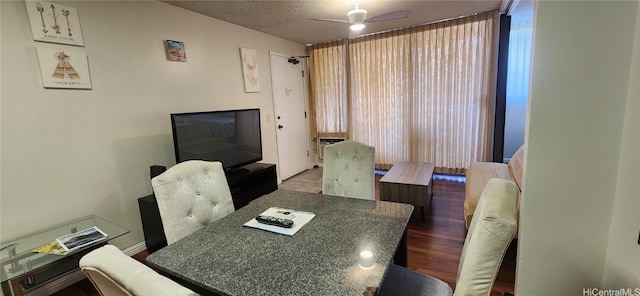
328	75
418	94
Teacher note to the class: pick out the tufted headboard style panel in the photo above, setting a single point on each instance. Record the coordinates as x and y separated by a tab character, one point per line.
348	170
191	195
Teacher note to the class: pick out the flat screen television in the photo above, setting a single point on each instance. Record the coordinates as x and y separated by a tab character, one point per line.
230	136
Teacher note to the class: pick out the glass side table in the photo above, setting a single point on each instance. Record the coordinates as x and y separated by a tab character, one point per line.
24	270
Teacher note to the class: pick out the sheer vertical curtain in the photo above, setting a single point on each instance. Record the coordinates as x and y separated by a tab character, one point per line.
328	74
424	93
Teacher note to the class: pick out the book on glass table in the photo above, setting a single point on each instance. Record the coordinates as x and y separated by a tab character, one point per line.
51	248
71	242
299	219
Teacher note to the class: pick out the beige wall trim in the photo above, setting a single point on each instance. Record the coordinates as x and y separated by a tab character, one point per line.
135	249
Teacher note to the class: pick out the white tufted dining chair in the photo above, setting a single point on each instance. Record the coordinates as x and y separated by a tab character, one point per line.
348	170
115	274
493	226
191	195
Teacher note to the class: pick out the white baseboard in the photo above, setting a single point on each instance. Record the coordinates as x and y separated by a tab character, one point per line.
75	276
135	249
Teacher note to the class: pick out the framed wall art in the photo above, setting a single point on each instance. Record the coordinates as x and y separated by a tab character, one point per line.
175	51
249	60
55	23
62	68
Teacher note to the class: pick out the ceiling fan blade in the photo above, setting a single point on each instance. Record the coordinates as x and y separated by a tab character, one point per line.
389	16
330	20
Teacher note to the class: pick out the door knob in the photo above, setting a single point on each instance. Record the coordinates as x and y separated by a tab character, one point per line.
280	126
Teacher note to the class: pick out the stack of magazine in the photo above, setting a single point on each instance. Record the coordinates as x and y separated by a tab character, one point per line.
72	242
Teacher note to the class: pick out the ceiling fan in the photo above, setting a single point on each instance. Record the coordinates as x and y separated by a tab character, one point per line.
357	18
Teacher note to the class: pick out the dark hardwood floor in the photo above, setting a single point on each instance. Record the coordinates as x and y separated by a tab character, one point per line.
434	247
81	288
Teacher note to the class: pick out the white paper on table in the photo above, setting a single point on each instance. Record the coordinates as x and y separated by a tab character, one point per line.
300	218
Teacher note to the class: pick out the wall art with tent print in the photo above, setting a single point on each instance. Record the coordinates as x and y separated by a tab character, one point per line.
62	68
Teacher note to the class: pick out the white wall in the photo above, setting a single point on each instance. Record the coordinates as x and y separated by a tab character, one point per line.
622	266
579	90
70	153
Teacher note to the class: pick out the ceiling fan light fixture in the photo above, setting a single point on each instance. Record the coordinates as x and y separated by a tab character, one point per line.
356	19
357	27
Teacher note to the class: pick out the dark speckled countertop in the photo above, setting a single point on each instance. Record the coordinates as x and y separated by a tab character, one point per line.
322	258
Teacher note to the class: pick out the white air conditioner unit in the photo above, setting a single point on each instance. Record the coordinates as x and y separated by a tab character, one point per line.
324	142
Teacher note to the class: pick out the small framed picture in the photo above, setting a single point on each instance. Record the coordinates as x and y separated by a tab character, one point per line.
175	51
249	60
63	68
51	22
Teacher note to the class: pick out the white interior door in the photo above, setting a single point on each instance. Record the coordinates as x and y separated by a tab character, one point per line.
290	115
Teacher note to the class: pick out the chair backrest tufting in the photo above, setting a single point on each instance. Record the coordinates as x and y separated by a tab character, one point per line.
115	274
348	170
492	228
191	195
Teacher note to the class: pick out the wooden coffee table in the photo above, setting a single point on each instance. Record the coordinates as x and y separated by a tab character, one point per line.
409	182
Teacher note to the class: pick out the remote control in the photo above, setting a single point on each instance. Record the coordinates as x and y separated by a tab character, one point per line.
270	220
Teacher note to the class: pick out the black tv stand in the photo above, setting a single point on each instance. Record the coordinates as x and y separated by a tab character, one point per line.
236	172
245	184
251	181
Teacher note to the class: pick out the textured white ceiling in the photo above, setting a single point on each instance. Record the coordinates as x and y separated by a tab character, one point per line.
291	19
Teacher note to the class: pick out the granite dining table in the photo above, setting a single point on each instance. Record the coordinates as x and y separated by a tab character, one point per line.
344	250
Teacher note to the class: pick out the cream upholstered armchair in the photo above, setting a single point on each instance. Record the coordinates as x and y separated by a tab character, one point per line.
488	237
191	195
115	274
348	170
492	228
